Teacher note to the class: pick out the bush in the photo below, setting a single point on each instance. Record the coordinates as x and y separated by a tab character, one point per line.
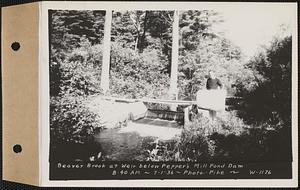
75	75
71	121
254	144
77	71
271	95
228	138
196	143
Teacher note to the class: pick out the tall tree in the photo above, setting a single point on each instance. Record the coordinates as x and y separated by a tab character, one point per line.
106	52
174	61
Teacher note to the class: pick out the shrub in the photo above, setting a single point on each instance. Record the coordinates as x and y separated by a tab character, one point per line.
77	71
228	138
196	142
71	121
72	124
271	95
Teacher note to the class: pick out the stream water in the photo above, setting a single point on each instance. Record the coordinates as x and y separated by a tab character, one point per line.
133	141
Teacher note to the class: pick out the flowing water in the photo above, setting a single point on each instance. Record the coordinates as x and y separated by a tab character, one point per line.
133	141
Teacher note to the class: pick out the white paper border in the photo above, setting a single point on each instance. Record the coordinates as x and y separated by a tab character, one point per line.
122	5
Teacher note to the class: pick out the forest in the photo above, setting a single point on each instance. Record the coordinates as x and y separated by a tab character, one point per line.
258	128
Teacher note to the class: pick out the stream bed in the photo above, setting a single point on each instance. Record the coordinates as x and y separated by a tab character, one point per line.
134	141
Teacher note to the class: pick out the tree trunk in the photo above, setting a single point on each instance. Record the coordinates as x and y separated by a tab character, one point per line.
174	63
136	42
106	52
143	37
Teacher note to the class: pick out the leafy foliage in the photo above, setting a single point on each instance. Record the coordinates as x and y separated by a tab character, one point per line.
202	49
196	136
69	26
71	121
138	75
81	70
269	99
141	29
75	70
75	39
255	144
140	55
228	138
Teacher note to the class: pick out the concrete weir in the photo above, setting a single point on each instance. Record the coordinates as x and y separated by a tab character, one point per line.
130	128
115	111
132	116
152	130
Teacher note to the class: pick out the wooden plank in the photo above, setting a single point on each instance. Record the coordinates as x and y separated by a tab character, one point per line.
116	99
149	100
163	101
152	100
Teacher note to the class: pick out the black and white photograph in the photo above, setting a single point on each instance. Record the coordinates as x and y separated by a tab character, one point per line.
171	93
